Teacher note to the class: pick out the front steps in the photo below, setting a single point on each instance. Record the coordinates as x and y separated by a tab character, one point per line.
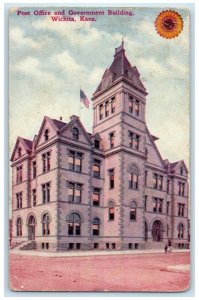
30	245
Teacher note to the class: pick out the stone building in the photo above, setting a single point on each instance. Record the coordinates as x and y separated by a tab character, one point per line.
109	189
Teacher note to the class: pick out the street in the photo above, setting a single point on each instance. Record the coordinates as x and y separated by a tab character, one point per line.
131	272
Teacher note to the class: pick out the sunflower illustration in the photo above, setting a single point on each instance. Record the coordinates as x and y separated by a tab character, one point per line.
169	24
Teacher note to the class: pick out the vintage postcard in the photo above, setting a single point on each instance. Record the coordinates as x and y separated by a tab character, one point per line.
99	149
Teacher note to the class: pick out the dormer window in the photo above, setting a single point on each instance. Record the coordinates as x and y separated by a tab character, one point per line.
19	152
97	144
75	134
181	171
46	135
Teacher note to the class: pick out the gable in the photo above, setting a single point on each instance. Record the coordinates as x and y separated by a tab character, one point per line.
179	168
47	129
21	149
153	154
67	131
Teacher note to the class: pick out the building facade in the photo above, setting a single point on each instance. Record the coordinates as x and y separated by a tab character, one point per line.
109	189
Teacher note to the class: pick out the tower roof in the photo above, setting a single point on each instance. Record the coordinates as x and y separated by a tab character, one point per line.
120	68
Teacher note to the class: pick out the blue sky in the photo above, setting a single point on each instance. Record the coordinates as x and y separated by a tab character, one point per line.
49	62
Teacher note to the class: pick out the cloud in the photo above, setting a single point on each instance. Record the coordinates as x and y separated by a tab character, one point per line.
32	67
18	38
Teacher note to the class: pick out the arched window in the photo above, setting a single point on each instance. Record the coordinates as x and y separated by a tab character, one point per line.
180	231
96	226
46	134
19	227
111	211
74	225
46	224
75	134
133	211
133	177
19	150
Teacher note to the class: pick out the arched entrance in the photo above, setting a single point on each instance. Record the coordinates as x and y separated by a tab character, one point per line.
157	231
31	228
145	232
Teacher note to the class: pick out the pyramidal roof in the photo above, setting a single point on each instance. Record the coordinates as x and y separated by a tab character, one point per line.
120	68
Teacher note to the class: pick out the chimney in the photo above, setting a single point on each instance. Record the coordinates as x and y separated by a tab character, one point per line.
60	118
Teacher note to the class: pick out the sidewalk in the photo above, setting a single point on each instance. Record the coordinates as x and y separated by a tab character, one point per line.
78	253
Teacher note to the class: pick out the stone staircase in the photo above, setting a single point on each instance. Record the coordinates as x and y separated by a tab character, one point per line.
29	245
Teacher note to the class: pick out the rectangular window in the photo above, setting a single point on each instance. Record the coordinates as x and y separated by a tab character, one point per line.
19	174
133	214
137	108
46	192
130	104
168	186
131	139
145	178
34	197
111	213
71	246
101	111
97	144
145	203
96	197
160	204
134	140
181	188
168	205
133	181
19	200
71	192
157	181
181	209
74	192
160	180
78	193
75	161
113	105
95	229
112	139
34	169
137	141
78	246
71	160
78	163
46	162
106	108
111	179
157	205
96	168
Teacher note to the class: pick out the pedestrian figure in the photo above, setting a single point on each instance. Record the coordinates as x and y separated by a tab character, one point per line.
169	246
165	248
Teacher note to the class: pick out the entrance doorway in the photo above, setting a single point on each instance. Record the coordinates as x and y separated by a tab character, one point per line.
31	228
157	231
